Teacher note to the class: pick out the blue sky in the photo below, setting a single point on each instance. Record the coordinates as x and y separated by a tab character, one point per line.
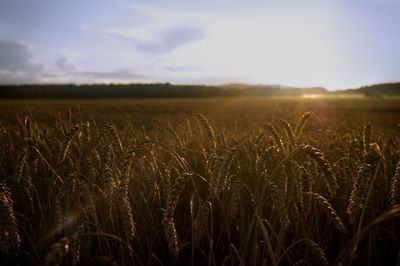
336	44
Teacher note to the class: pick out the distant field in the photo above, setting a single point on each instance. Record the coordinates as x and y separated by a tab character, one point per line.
238	181
247	112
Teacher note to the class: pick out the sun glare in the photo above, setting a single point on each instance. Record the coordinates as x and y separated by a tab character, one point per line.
278	48
312	96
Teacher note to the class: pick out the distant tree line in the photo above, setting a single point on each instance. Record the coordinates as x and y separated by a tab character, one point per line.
159	90
156	90
380	89
167	90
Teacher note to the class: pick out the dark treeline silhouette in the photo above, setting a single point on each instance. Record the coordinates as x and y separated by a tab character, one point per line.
380	89
157	90
161	90
167	90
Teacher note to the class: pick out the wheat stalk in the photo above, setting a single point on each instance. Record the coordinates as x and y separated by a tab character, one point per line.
359	192
395	187
174	133
22	162
87	204
367	137
126	211
67	141
210	131
115	137
111	181
318	252
329	211
220	178
304	186
275	135
200	222
168	216
325	166
278	199
289	132
300	125
171	235
233	202
10	238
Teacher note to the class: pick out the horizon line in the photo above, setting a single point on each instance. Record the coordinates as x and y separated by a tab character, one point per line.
190	84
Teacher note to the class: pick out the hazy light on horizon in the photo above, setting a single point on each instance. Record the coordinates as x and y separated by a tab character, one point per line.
336	44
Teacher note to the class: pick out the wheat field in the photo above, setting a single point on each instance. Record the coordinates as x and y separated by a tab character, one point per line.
253	181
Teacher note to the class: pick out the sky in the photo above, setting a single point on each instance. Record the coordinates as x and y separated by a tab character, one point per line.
335	44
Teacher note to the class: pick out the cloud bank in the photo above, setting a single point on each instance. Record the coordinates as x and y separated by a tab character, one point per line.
17	63
18	66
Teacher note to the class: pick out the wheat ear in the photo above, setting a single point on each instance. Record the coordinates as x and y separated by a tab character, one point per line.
325	166
10	239
329	211
395	187
275	135
289	132
300	125
67	141
210	131
359	192
318	252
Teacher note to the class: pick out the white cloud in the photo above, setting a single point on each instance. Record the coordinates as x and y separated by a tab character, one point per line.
163	42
